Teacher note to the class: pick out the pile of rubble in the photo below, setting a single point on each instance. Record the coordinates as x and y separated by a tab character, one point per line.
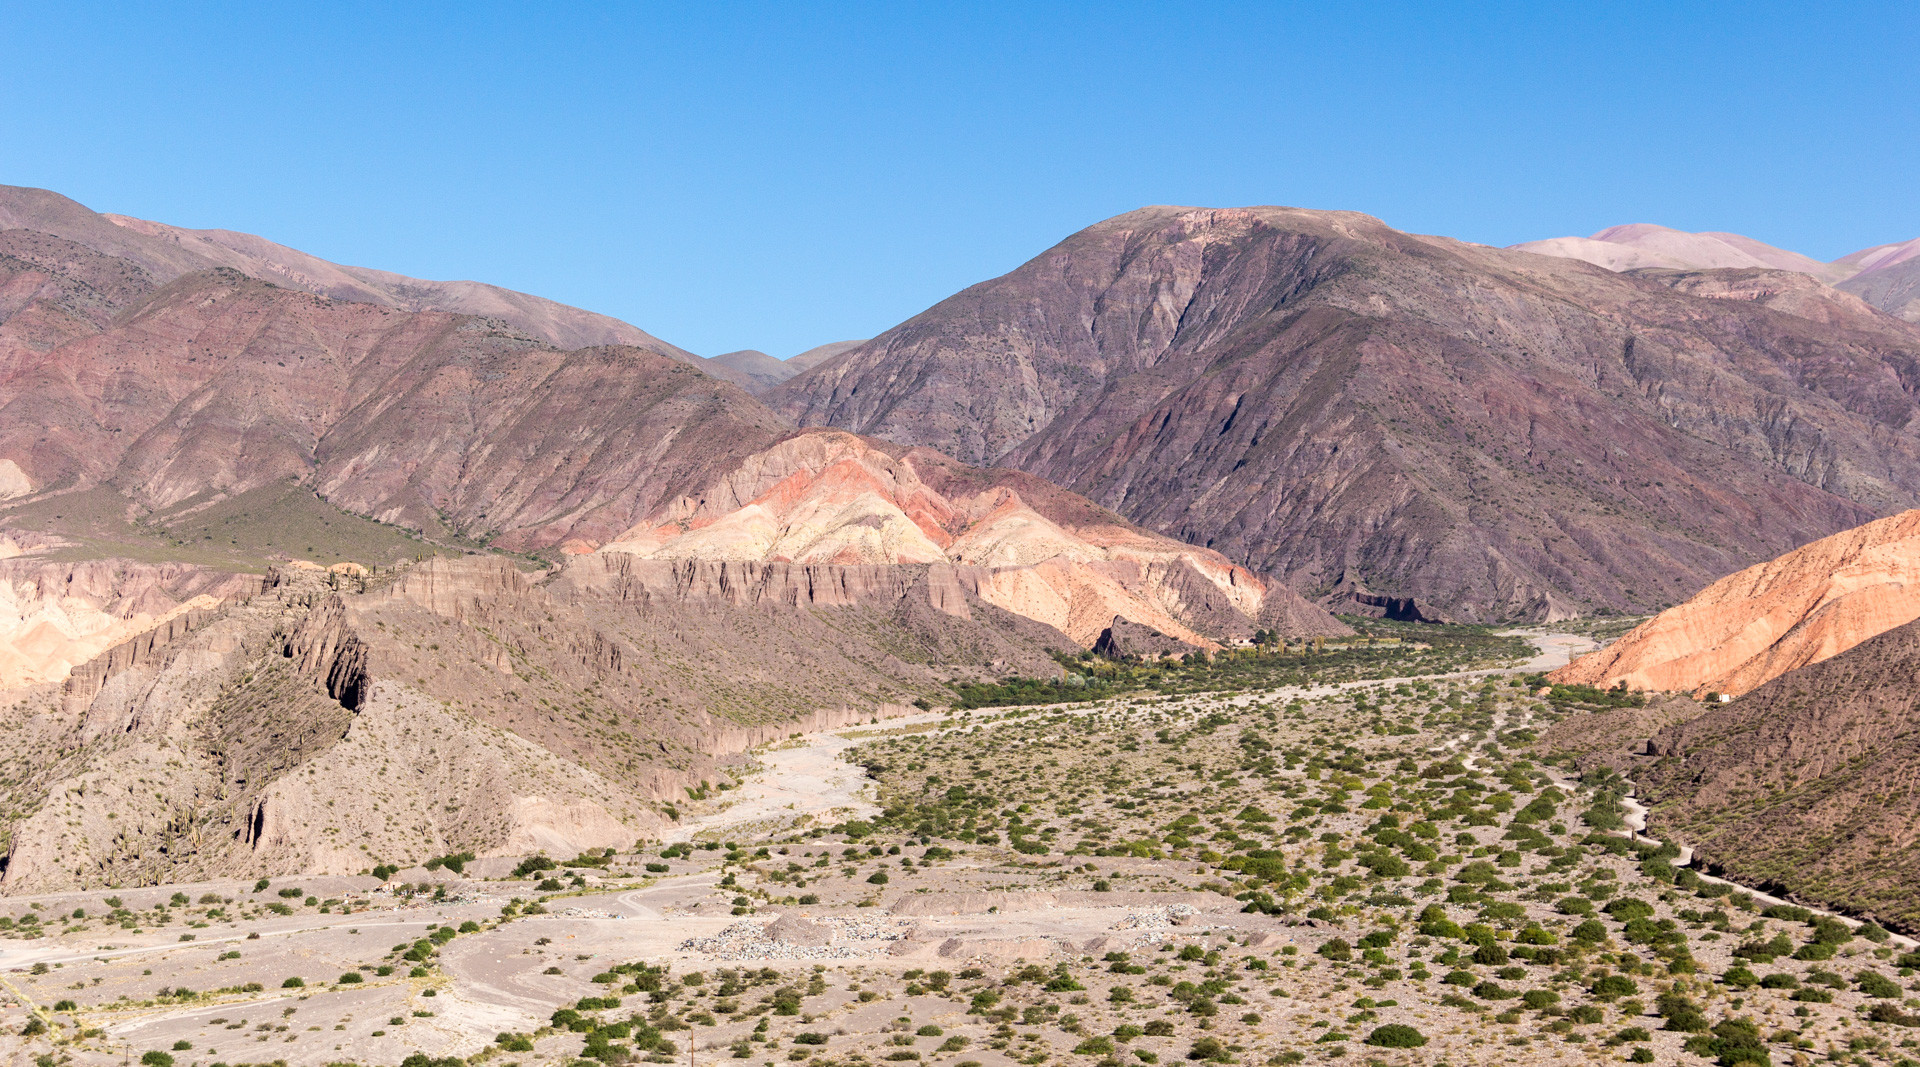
794	937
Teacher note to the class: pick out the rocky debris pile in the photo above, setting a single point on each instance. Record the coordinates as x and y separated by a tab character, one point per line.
1156	924
589	913
799	938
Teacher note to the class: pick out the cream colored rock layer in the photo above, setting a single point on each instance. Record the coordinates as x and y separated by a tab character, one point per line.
831	497
44	633
1753	626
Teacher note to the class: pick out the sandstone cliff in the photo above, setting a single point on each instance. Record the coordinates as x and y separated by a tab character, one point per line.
836	500
1755	625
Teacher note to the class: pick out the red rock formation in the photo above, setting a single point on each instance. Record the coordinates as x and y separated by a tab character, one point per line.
842	509
1760	623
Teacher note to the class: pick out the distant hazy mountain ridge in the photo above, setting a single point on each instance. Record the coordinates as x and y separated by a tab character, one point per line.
1884	275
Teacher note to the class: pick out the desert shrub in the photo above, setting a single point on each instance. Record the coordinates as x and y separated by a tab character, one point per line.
1732	1042
1878	986
1611	986
1209	1050
1396	1035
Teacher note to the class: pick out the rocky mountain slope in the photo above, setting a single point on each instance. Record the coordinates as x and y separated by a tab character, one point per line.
1805	783
1760	623
225	386
164	252
330	721
1471	431
1894	288
54	616
215	384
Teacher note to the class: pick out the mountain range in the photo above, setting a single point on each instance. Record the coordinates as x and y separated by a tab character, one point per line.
1382	421
1886	276
595	568
1478	432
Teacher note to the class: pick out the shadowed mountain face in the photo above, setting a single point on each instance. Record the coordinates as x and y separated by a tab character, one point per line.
1319	396
1800	783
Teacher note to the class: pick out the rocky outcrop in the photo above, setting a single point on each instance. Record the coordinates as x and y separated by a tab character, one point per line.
828	518
464	705
1124	638
85	681
1806	606
325	646
1492	434
55	617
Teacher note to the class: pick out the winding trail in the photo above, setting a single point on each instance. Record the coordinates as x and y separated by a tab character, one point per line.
1636	812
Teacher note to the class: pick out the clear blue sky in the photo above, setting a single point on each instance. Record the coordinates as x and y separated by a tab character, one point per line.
777	176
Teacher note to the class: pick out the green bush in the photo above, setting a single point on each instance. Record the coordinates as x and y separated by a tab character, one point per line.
1878	986
1732	1042
1209	1049
156	1058
293	983
1396	1035
1611	986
